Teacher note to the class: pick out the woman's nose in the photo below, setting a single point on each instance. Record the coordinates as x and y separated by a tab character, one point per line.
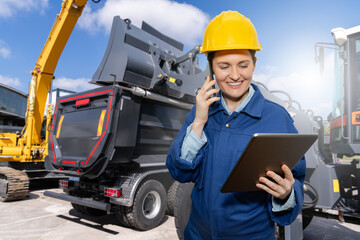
234	74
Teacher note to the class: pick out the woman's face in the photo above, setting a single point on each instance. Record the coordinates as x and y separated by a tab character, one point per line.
233	71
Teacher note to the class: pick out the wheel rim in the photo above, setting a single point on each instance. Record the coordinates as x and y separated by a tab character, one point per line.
151	205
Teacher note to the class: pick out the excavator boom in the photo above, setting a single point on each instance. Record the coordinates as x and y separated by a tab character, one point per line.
30	146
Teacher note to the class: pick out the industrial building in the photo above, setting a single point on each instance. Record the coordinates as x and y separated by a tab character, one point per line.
12	109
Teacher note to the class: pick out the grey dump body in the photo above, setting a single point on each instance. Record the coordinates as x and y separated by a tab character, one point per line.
113	127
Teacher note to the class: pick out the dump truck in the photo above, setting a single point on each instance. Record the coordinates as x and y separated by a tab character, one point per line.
112	141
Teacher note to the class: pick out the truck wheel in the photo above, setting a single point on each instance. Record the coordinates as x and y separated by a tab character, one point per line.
149	206
171	198
120	213
182	207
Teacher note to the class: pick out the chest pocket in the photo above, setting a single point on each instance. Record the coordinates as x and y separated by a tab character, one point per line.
236	146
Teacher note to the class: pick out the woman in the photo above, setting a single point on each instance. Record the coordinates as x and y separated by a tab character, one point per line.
216	132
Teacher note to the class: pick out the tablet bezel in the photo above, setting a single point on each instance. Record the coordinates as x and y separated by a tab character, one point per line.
254	162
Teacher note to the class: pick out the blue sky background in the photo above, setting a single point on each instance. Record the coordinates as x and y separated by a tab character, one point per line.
287	30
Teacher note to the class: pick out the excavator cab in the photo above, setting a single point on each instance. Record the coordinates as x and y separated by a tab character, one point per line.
343	158
345	116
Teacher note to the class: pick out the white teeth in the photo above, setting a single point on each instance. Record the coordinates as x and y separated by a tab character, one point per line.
234	83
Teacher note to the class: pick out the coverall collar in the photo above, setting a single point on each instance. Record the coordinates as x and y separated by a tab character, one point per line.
253	108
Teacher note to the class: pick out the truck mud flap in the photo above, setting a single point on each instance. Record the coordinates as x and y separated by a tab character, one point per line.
97	205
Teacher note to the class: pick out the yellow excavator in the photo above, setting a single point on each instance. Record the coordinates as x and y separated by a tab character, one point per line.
28	149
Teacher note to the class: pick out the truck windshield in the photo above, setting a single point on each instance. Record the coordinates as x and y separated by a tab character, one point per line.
338	106
356	75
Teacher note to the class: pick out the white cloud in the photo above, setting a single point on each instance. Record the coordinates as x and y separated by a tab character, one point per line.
4	52
4	49
76	85
10	7
306	85
182	21
9	81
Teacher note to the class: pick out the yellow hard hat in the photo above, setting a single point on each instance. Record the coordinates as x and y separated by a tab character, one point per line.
230	30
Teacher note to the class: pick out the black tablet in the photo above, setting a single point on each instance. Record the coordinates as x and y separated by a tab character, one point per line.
266	151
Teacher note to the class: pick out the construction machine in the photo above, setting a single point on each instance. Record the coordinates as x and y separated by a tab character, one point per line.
337	176
23	154
112	141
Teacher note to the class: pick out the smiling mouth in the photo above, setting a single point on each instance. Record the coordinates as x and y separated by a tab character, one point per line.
235	83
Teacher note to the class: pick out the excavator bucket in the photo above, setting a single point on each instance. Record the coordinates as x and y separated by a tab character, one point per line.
148	59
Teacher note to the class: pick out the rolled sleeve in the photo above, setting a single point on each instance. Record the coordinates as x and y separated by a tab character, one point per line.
179	168
192	144
286	217
278	205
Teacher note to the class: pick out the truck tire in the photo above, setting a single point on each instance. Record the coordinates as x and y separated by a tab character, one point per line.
171	198
149	206
120	213
182	207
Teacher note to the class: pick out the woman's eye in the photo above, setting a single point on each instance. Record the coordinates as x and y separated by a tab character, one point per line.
223	67
243	66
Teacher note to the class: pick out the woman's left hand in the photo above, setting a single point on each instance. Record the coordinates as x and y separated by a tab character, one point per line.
280	187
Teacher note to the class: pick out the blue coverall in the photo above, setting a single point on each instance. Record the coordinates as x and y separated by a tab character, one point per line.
242	215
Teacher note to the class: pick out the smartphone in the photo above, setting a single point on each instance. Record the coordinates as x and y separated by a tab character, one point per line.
210	73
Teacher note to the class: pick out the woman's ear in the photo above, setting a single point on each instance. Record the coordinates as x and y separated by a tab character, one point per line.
255	59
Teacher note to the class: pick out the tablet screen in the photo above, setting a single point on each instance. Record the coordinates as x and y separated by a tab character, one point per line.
265	152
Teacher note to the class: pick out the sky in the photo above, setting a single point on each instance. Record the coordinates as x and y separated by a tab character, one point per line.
287	31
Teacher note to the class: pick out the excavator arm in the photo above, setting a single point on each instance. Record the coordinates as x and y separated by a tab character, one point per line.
29	146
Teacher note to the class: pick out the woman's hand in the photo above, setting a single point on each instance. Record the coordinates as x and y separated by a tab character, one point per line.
281	188
203	102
